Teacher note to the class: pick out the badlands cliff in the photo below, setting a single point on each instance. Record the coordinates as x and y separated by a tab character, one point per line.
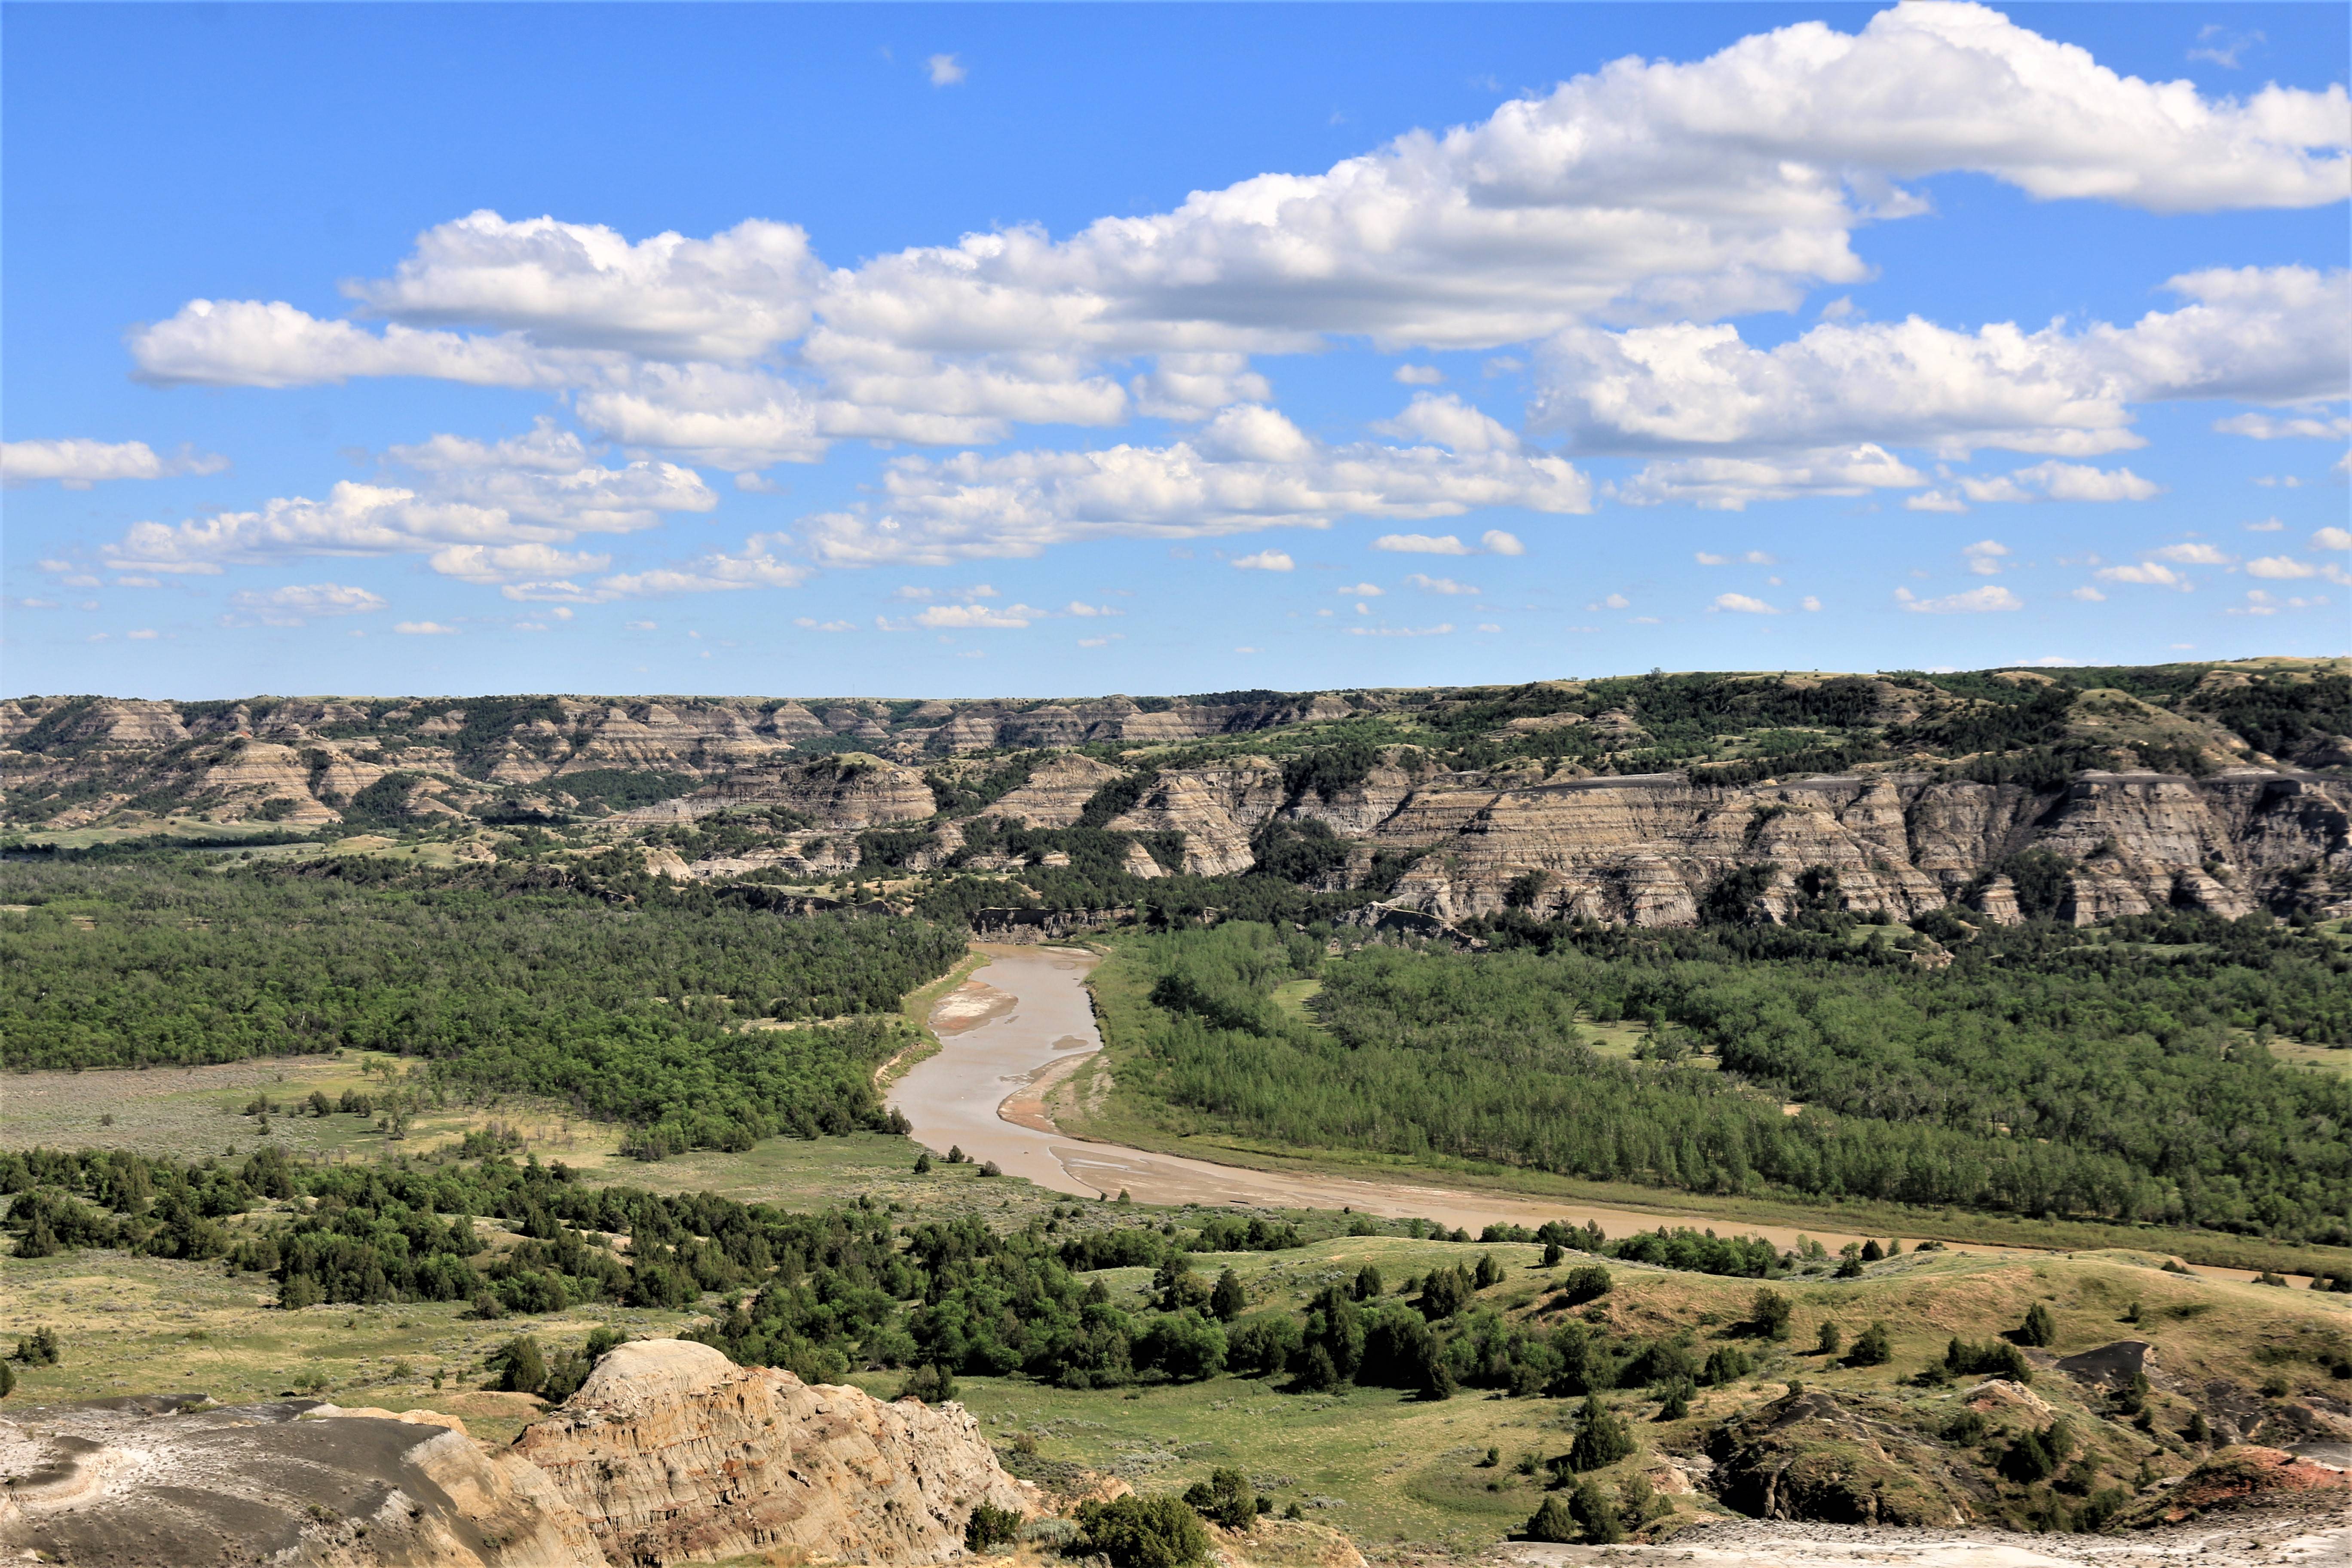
1647	800
670	1453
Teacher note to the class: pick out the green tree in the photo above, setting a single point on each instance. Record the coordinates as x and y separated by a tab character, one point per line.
1229	1299
1602	1438
1143	1532
990	1526
1832	1341
1768	1310
521	1365
1226	1497
1553	1521
2039	1328
1596	1514
1870	1347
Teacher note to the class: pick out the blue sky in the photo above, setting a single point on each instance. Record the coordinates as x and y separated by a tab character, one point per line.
980	349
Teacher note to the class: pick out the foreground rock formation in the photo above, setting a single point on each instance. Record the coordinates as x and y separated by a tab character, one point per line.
670	1453
165	1482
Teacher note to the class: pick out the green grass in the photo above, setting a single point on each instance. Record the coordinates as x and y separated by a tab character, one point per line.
1398	1471
145	1325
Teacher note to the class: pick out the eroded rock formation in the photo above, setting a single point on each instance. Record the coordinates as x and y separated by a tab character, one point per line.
160	1481
670	1453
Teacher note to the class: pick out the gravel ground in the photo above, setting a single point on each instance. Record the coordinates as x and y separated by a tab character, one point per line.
2313	1534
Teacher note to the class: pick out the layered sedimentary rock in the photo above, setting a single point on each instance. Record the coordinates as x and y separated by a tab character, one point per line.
1216	808
851	791
1058	791
672	1453
1645	850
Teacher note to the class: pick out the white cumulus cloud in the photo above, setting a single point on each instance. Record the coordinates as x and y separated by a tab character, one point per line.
1646	190
543	489
2277	335
76	464
1264	560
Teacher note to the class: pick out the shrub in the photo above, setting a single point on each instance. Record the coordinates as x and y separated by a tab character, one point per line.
1226	1498
1263	1345
1228	1298
1769	1312
39	1348
521	1366
1601	1440
1660	1361
1318	1373
1369	1284
1588	1283
933	1385
1596	1513
1553	1521
1143	1532
990	1526
2037	1456
1833	1340
2039	1328
1995	1358
1870	1348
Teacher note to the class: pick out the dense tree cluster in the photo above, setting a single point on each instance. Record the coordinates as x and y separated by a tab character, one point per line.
2044	1072
634	1012
818	1292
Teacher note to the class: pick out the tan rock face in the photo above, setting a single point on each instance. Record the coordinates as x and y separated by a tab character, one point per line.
1216	808
1644	850
1056	792
672	1453
852	791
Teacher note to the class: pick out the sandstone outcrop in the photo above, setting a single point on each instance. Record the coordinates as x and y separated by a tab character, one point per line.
850	790
1562	838
1058	791
672	1453
1216	808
